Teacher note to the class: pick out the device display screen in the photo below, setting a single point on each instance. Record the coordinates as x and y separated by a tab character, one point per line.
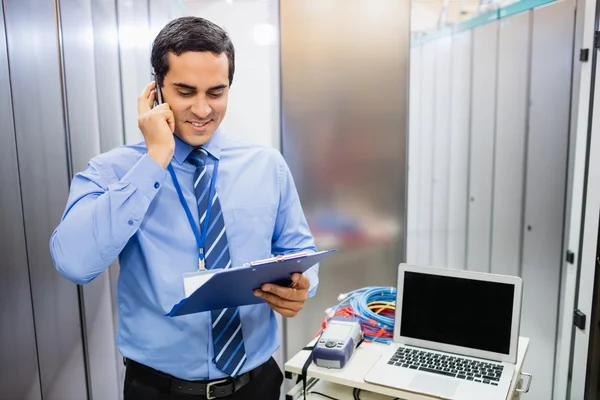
335	331
457	311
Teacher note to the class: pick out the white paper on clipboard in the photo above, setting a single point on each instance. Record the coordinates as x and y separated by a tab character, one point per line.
193	280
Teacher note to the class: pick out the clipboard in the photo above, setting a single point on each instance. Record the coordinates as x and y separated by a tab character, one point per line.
234	287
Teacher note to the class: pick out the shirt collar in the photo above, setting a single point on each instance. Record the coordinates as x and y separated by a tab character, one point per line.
213	147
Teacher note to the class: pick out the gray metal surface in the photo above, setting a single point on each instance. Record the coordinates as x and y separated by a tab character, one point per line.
79	39
40	131
110	121
583	341
77	43
485	45
426	153
18	360
441	151
511	122
551	56
344	92
460	126
412	206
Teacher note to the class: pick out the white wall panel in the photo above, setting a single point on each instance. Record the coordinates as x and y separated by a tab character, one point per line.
460	128
253	109
485	46
135	43
441	151
511	121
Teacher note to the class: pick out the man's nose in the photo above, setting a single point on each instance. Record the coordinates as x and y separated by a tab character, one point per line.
201	107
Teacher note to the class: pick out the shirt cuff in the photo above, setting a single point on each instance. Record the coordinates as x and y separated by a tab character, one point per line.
147	176
313	276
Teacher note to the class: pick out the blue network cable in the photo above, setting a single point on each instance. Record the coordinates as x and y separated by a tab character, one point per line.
361	301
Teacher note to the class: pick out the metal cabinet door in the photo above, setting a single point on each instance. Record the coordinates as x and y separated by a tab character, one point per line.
441	152
31	28
509	161
18	360
547	149
483	116
460	132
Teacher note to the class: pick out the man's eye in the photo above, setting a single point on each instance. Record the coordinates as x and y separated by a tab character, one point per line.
185	94
215	95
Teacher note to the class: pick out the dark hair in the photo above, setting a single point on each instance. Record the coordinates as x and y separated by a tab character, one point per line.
189	34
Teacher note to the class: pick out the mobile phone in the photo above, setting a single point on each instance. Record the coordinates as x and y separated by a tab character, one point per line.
158	99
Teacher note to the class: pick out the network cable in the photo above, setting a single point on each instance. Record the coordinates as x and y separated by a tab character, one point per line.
374	306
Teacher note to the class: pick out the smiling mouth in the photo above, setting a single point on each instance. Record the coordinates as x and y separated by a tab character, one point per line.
199	124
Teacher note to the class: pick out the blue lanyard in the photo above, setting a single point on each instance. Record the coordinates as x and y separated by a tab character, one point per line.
200	238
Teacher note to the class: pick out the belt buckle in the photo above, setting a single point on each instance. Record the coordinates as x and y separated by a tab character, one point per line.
209	386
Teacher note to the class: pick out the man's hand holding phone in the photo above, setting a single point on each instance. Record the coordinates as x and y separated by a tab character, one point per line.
157	125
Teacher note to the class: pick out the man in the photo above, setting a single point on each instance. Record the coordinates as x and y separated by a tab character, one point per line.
127	203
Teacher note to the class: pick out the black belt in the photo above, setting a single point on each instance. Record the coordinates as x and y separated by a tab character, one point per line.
210	389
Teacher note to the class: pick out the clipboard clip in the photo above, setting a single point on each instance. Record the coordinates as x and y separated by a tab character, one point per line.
276	259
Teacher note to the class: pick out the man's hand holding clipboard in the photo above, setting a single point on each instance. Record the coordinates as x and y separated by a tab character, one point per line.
287	301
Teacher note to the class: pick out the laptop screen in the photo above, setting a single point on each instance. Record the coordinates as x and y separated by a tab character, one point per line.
457	311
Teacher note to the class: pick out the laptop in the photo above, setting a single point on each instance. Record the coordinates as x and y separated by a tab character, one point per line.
455	334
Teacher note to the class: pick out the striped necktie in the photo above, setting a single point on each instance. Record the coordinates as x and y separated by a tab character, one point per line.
230	354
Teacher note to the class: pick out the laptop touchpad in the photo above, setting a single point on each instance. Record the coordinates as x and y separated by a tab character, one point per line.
442	387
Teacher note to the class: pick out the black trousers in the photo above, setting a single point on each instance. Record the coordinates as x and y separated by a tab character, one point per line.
266	385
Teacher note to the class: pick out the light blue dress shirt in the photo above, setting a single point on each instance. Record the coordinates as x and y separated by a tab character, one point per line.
124	204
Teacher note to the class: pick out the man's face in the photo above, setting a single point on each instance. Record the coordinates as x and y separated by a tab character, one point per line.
196	88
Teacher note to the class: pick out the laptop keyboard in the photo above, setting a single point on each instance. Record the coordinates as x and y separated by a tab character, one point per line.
455	367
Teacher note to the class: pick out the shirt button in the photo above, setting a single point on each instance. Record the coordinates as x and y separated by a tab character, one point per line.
130	222
156	185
